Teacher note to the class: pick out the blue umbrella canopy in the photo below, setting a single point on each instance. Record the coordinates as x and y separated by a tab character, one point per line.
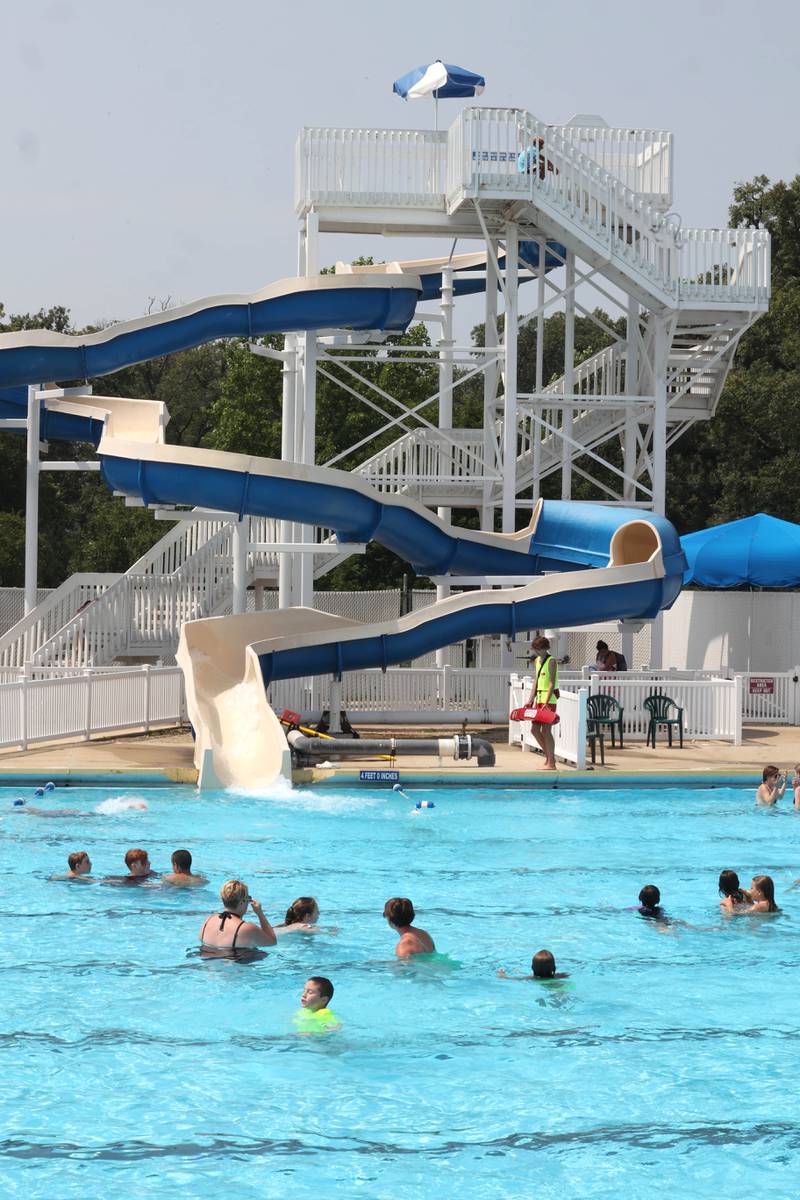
441	80
757	551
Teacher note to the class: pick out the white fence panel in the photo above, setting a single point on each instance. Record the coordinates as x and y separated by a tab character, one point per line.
771	698
711	707
79	705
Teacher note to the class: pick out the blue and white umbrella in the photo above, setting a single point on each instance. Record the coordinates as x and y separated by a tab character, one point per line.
438	79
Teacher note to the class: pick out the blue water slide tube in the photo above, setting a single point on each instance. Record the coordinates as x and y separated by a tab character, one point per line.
555	255
448	622
566	535
326	302
53	426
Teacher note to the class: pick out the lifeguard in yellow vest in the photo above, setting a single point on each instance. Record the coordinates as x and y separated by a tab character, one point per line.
544	694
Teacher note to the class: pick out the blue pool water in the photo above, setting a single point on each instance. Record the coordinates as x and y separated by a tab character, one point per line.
131	1065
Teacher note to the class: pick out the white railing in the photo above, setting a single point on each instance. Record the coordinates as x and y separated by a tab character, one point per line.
437	695
601	374
569	734
639	158
19	644
177	545
80	706
363	167
612	219
733	263
427	458
483	152
144	609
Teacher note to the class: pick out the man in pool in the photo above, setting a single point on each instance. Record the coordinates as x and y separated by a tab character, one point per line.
80	866
181	874
139	869
399	912
543	966
314	1015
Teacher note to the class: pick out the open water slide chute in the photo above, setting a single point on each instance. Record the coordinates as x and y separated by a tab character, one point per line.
230	663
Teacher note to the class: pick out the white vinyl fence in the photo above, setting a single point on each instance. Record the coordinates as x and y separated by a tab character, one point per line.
712	708
84	705
438	695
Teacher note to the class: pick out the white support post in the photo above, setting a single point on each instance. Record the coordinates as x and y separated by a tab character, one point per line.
32	502
308	407
240	550
490	375
630	449
510	332
536	431
335	705
568	413
289	379
445	409
660	352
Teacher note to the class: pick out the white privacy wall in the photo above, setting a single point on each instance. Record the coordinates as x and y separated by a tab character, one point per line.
740	631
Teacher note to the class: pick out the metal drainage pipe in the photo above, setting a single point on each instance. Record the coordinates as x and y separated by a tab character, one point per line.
459	746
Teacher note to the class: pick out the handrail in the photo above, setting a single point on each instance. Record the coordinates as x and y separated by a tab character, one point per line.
22	640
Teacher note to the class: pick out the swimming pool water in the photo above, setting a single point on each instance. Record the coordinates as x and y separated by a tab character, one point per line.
128	1063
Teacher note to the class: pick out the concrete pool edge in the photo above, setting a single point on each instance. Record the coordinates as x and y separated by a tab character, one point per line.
75	777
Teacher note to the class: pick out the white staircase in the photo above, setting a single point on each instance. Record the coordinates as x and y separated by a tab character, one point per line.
94	620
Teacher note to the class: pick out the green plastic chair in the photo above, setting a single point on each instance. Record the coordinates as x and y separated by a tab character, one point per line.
601	710
663	711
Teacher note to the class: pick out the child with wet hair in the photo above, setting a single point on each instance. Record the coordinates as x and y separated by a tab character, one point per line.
543	967
301	916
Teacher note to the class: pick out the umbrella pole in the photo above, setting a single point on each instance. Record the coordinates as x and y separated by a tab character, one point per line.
436	110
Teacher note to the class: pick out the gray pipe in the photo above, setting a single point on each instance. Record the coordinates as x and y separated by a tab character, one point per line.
459	746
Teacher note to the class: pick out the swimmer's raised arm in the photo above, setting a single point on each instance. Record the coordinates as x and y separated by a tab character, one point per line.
264	935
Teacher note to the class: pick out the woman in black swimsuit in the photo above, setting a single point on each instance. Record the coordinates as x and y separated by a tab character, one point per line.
734	898
228	930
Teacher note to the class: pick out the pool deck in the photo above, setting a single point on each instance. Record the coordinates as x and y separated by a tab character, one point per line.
166	758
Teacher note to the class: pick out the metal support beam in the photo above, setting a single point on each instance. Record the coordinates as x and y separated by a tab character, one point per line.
510	331
445	406
567	415
490	378
289	381
240	543
32	501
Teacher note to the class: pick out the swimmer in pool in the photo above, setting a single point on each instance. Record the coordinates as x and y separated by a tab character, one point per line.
399	912
80	866
734	897
543	966
181	874
650	904
228	930
762	893
314	1015
772	786
139	869
301	917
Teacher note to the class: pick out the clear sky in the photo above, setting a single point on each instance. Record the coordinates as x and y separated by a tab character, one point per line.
146	146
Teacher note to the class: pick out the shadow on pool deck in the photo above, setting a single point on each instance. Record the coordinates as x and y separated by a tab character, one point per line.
167	757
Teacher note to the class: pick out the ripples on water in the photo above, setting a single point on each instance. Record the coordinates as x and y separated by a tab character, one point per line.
129	1060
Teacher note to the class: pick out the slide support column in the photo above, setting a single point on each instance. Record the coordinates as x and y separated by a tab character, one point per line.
630	450
536	431
568	414
510	333
285	528
445	412
490	373
241	539
661	340
32	501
